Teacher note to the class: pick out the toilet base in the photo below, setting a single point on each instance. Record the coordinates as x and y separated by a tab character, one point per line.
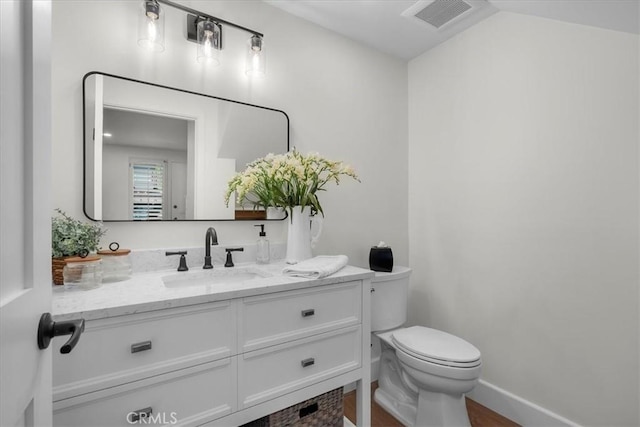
398	394
440	409
392	394
403	412
433	409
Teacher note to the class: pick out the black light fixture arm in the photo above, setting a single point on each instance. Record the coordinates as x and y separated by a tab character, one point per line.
207	16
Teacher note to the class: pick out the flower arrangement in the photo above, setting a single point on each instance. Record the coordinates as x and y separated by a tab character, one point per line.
287	180
73	237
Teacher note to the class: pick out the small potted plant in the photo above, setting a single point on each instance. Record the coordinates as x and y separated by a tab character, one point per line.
71	237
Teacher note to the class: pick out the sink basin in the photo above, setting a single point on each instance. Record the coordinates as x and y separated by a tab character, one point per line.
215	276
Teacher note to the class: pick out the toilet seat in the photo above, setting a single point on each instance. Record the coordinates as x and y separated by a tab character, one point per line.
437	347
419	369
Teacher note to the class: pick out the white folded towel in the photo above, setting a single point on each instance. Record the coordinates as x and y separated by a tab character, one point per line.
317	267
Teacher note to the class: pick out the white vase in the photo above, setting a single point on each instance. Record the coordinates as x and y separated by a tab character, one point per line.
275	213
299	238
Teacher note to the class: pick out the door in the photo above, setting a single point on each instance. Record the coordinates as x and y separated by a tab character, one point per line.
25	210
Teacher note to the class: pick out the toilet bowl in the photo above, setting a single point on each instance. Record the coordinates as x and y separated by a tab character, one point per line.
424	373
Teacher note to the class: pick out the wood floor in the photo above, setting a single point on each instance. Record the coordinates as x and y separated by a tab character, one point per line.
479	415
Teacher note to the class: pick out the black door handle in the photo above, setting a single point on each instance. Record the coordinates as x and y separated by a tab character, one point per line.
48	329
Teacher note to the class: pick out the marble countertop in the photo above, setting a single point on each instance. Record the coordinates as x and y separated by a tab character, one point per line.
147	291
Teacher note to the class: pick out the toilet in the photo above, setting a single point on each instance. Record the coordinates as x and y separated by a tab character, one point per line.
424	373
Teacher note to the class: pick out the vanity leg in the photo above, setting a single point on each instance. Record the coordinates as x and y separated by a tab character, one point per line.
363	387
363	403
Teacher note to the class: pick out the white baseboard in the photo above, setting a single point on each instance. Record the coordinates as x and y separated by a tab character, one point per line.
516	408
503	402
506	404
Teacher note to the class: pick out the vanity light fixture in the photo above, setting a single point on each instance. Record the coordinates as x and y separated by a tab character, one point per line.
151	26
256	59
203	29
209	35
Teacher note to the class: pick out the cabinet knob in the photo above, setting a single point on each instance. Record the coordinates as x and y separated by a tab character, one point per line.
308	313
308	362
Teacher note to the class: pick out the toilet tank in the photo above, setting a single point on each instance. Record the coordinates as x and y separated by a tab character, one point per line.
389	298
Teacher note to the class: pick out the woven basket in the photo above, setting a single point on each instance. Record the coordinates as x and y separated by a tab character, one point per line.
325	410
322	411
57	265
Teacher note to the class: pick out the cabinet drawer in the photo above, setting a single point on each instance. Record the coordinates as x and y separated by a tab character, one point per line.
190	396
285	316
128	348
269	373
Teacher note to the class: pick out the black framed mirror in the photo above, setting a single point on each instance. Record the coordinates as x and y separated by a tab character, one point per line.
157	153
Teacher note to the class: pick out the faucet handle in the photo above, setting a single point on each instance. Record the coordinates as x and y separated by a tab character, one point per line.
183	260
229	262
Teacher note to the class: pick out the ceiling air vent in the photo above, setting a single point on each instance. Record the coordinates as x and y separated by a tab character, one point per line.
440	12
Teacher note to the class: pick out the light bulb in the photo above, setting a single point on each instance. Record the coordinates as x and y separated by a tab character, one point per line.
151	26
256	64
152	31
209	36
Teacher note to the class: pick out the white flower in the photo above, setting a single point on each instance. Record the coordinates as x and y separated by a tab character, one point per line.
286	180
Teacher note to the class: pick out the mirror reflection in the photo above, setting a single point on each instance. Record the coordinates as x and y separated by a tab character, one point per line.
154	153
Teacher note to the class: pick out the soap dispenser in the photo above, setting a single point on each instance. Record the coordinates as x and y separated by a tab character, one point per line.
262	246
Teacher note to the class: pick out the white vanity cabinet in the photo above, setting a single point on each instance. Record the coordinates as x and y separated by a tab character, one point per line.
224	362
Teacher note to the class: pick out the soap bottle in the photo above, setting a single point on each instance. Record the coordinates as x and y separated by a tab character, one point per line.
262	247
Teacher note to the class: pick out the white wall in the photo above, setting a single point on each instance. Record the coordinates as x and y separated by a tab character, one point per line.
523	209
204	113
117	174
344	100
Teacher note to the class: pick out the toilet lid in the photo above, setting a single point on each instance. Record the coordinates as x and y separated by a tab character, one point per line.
433	345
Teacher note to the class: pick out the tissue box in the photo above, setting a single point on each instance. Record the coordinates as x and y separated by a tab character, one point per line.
381	259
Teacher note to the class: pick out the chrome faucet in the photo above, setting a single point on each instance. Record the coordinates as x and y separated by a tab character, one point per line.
211	238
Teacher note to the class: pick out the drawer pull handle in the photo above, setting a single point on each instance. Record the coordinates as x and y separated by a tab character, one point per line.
308	362
140	414
140	346
308	313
